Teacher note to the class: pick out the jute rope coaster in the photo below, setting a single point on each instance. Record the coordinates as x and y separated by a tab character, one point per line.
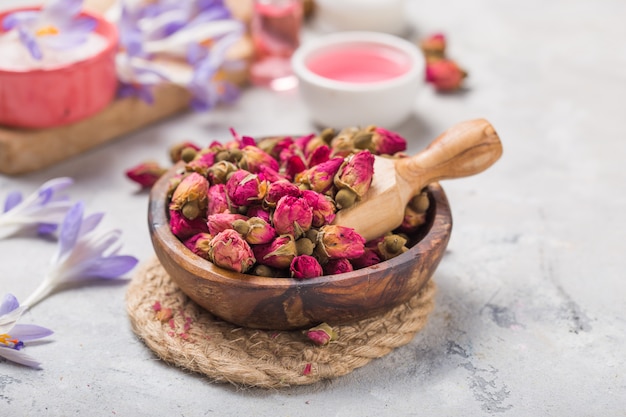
182	333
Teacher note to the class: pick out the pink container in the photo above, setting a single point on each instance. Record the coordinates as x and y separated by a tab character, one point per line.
52	97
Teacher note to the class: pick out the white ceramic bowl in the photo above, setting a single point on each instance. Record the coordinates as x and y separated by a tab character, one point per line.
335	102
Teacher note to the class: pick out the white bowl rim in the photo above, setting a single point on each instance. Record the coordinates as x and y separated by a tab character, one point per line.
298	59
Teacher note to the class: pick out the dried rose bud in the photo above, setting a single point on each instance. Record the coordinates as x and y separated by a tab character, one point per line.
343	143
292	216
321	335
420	202
434	46
294	165
356	174
199	244
253	158
323	139
285	142
387	142
278	253
173	183
322	206
337	266
215	146
412	220
184	228
233	155
241	226
320	177
305	246
164	314
244	188
279	189
311	234
240	141
305	266
190	196
303	141
176	150
363	140
258	211
370	257
268	174
202	163
264	271
247	141
230	251
445	75
219	172
340	242
319	155
269	145
345	198
259	231
222	221
218	202
392	246
146	174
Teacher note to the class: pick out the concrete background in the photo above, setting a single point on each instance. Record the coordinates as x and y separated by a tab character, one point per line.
529	316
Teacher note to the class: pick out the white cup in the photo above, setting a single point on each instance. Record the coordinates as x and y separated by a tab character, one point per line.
338	103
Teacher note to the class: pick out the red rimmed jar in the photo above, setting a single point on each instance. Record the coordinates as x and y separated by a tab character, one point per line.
43	98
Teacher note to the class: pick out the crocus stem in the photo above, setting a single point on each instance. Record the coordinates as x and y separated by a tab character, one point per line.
40	293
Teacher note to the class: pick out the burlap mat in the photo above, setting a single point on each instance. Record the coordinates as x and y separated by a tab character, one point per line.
194	339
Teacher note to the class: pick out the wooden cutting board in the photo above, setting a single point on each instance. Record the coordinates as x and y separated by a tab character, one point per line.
28	150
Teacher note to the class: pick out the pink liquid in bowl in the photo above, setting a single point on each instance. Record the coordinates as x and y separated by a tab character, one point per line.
360	64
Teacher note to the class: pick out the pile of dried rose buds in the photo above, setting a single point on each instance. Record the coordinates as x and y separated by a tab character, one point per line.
267	207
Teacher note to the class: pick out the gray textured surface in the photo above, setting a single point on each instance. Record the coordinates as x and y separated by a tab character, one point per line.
530	310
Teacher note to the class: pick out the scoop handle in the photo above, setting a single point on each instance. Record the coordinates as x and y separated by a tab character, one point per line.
465	149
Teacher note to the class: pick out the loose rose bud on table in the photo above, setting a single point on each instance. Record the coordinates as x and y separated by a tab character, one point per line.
441	71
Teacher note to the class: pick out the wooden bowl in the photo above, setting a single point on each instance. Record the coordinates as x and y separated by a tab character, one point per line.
286	303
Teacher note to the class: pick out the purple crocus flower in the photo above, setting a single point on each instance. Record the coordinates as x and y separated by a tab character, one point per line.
45	208
137	79
201	31
58	25
83	253
207	86
13	335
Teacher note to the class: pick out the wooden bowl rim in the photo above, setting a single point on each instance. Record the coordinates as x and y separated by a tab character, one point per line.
158	224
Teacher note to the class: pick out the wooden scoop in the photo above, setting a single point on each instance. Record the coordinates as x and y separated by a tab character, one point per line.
465	149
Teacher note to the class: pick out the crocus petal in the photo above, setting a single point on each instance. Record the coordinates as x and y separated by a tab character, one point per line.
18	356
8	320
44	208
90	222
29	41
70	229
47	228
9	303
57	184
12	200
111	267
93	246
15	19
28	332
61	9
73	36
